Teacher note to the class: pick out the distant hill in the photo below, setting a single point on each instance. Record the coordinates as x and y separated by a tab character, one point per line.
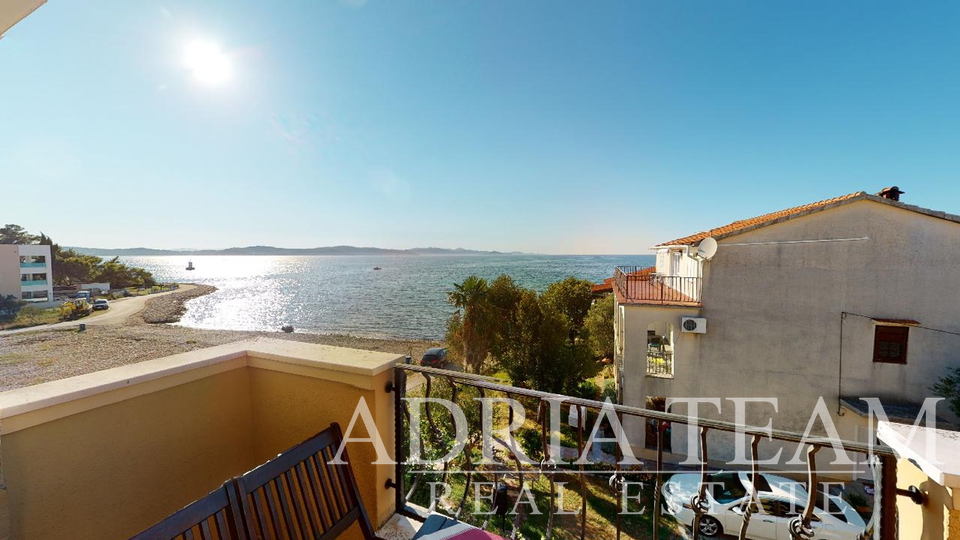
270	250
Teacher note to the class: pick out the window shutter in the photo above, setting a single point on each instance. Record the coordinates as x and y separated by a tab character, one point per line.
890	344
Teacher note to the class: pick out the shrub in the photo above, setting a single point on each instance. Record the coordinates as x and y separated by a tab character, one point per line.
948	387
531	442
610	390
587	390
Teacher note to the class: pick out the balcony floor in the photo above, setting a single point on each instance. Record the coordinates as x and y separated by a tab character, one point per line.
649	294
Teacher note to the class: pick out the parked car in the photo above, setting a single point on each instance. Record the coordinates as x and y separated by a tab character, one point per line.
101	303
781	498
435	357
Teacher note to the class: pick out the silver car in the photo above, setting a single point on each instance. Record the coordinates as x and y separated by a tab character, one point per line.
781	500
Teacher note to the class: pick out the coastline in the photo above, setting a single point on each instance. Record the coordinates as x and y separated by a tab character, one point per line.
170	308
47	354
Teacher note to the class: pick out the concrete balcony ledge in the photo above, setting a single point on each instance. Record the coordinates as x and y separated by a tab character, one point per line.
945	469
74	451
352	366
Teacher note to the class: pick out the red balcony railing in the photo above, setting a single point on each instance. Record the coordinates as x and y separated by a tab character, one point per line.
641	285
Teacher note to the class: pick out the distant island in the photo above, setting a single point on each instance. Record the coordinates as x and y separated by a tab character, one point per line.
270	250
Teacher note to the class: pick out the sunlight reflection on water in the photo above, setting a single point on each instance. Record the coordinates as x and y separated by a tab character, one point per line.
344	295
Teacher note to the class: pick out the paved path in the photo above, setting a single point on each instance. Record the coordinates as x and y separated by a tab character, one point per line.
120	310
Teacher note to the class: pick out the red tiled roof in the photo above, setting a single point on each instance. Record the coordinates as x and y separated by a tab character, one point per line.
607	285
901	322
766	219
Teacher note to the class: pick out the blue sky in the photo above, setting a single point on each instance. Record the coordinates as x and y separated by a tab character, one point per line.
553	127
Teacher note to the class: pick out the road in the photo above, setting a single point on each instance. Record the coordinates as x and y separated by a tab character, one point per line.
120	310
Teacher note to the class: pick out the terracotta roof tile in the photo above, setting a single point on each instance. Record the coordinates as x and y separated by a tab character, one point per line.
607	285
766	219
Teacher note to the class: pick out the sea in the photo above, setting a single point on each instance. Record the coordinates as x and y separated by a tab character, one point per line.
405	299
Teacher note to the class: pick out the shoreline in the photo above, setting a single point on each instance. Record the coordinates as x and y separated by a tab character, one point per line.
50	354
171	308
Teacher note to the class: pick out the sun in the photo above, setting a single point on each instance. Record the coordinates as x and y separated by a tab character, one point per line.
208	63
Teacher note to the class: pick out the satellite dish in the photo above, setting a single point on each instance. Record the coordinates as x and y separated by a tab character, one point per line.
707	248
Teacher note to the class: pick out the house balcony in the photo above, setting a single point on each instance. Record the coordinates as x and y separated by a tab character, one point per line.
638	285
33	283
33	265
660	363
107	454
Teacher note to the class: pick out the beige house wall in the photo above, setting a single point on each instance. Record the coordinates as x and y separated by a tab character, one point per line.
9	271
774	313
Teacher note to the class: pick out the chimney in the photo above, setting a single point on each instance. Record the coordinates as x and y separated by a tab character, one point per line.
893	193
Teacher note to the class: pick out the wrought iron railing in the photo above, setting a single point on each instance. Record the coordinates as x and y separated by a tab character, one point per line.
551	468
639	284
660	363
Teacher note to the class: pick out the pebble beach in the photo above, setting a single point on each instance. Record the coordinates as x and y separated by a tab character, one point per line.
46	355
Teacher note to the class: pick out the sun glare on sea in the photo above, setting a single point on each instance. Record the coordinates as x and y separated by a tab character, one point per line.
208	63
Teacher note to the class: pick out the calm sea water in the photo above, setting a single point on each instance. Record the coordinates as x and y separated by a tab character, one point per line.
345	295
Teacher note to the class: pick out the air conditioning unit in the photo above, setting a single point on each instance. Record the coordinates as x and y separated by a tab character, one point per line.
695	325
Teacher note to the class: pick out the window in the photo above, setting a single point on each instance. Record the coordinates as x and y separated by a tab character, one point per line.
727	487
890	344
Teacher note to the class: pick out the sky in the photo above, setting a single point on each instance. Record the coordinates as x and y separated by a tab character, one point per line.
539	126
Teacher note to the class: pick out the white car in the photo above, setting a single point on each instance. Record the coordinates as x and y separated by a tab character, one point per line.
782	500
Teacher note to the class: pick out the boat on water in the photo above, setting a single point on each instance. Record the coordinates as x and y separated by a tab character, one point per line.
377	268
190	265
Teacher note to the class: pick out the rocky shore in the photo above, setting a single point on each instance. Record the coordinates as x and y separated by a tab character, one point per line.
170	307
49	354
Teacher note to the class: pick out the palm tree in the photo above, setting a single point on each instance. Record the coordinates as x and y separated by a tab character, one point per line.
470	298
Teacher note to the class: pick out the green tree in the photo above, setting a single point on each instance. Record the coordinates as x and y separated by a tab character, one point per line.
571	297
470	299
598	326
15	234
71	267
503	299
948	387
537	352
119	275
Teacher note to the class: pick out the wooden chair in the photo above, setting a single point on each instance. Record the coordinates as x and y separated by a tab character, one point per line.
217	516
299	496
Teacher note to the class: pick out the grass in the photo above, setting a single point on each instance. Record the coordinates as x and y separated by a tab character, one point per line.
29	316
603	504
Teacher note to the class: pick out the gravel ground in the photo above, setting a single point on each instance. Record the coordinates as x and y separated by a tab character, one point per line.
47	355
170	307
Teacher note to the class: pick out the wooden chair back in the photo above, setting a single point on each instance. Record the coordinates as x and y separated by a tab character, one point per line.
216	516
300	496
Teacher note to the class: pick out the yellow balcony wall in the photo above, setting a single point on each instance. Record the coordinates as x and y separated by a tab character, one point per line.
107	454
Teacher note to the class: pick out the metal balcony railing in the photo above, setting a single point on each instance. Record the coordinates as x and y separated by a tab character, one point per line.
660	363
551	470
638	284
33	265
29	282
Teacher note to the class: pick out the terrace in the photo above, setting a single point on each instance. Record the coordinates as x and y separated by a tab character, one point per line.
108	454
638	285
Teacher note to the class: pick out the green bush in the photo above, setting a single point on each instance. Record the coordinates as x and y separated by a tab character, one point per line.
948	387
610	390
587	390
531	442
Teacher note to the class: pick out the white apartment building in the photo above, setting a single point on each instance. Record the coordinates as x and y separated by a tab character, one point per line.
26	272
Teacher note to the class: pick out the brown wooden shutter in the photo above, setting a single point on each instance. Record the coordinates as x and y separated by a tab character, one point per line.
890	344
